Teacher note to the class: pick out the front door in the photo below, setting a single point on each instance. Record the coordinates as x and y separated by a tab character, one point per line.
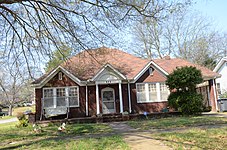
108	101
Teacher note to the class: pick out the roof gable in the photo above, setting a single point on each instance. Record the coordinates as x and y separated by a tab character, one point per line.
46	78
220	64
107	73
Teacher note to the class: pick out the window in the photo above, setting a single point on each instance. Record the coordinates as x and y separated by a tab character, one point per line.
151	70
61	97
48	95
164	92
218	88
73	96
60	76
151	92
141	94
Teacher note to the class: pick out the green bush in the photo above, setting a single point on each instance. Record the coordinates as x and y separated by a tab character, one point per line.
183	83
23	121
189	103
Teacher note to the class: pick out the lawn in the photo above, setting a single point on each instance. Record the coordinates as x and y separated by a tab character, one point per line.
76	136
201	132
196	138
175	122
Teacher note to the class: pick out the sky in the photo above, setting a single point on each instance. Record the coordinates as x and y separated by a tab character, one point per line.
216	10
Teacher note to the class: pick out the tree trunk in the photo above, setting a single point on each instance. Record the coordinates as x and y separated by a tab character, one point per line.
10	110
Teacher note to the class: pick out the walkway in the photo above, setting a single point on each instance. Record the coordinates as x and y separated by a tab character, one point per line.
8	120
135	139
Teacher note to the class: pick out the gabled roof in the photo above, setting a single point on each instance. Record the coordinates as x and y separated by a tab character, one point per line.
220	63
170	64
110	67
47	77
89	64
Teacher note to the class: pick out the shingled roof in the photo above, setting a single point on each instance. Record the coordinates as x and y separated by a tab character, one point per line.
87	64
170	64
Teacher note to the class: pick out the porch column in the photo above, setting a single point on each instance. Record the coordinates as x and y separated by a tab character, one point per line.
86	101
120	96
97	99
215	95
129	99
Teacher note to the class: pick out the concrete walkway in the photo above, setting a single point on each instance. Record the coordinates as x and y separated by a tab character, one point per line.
8	120
215	114
137	140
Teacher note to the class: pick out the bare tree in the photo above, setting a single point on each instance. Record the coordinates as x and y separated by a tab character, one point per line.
185	34
31	29
13	85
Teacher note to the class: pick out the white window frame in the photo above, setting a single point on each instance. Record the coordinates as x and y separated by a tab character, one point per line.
137	95
66	95
157	84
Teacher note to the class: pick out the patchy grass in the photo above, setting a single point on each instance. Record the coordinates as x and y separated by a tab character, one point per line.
195	138
173	122
50	138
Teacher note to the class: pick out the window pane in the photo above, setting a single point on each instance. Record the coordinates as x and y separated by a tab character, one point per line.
61	101
48	102
73	101
152	92
164	91
61	92
141	93
48	93
73	96
73	91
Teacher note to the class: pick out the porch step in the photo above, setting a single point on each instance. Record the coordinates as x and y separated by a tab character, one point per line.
111	118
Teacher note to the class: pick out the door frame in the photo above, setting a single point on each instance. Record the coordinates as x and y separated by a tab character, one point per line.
112	90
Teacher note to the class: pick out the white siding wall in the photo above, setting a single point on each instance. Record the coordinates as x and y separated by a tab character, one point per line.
223	79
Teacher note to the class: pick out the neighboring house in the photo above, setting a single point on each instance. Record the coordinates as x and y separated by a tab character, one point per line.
106	81
221	82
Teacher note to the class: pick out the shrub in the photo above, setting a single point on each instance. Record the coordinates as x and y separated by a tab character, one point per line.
189	103
23	121
185	99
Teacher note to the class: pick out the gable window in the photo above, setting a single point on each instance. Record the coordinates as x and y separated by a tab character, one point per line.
61	97
151	92
60	76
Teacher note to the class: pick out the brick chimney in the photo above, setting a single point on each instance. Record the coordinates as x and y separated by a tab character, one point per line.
167	57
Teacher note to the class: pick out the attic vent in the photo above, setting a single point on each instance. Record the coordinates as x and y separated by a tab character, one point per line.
60	76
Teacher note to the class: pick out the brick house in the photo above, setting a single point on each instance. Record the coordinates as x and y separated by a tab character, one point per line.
110	81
